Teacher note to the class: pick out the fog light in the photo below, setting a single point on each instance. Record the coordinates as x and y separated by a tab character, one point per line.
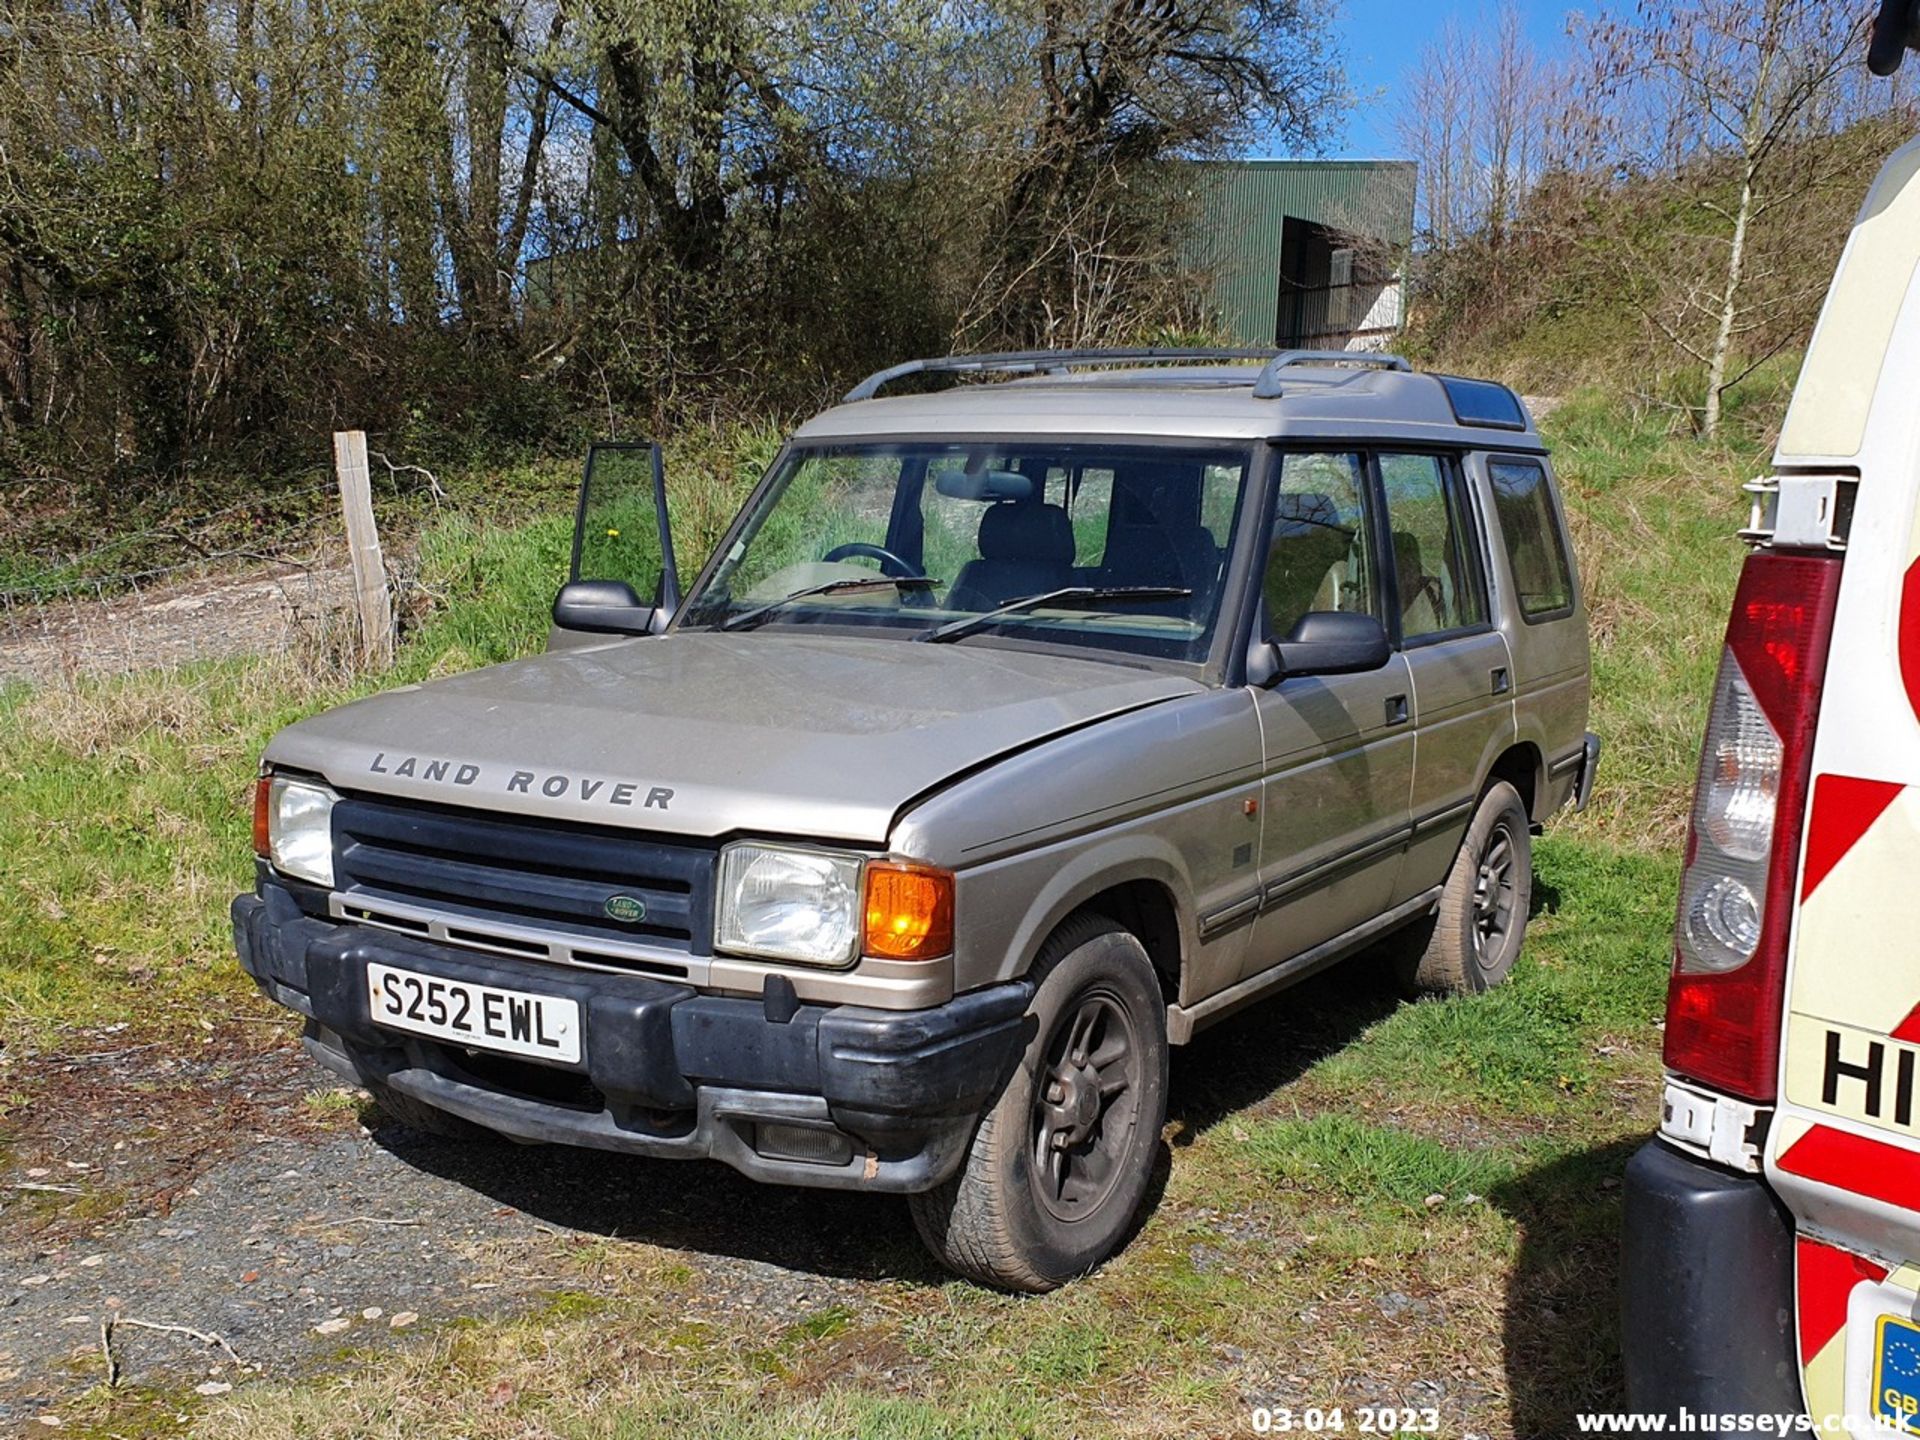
807	1144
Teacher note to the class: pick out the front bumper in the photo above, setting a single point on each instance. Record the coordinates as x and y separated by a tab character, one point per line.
1706	1291
665	1070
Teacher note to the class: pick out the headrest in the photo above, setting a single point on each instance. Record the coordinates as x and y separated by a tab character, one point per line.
1298	514
1406	553
1155	494
1027	532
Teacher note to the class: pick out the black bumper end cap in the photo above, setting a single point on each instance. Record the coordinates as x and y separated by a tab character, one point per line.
1706	1290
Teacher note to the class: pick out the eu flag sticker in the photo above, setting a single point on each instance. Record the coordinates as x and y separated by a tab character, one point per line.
1896	1374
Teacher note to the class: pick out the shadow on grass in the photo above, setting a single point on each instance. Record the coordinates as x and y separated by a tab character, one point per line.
1560	1333
1242	1060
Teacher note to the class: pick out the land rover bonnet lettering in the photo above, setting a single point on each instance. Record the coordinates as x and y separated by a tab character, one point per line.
554	785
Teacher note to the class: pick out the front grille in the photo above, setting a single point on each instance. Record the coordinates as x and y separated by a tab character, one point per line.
556	878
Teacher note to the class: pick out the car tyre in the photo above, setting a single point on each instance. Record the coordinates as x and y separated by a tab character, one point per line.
1469	944
1061	1160
417	1115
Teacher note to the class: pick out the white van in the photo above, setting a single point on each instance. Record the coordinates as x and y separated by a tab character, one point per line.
1771	1260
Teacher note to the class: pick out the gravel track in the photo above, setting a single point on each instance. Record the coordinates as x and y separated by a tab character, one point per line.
237	1208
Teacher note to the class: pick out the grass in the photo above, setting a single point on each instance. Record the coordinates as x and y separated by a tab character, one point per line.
1653	519
1366	1202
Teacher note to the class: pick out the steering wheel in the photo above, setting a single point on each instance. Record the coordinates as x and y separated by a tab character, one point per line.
890	563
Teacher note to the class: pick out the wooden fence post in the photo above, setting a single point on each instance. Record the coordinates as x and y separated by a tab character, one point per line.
370	593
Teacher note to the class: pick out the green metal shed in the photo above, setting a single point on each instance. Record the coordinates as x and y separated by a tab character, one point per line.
1305	252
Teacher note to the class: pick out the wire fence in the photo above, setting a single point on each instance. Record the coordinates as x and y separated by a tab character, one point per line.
246	577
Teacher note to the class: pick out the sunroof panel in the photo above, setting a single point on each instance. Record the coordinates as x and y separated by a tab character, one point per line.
1483	403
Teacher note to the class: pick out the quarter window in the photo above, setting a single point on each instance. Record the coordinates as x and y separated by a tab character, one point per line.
1320	556
1536	551
1438	584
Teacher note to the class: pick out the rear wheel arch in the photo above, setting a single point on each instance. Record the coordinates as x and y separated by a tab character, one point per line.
1521	766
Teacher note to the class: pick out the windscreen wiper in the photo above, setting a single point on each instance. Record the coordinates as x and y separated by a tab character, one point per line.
747	618
1071	595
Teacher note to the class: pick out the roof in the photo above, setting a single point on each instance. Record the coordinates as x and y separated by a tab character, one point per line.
1205	402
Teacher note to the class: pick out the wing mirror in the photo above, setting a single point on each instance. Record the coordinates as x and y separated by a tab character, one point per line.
605	607
620	527
1322	642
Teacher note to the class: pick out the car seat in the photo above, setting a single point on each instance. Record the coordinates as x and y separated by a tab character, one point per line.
1423	601
1308	560
1155	538
1026	548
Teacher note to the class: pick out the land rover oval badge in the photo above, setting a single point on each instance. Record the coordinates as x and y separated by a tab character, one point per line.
626	909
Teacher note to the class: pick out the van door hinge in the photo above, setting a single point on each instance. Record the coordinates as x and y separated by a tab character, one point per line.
1801	512
1716	1127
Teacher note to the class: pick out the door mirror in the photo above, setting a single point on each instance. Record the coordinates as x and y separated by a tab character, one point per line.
1325	642
605	607
622	547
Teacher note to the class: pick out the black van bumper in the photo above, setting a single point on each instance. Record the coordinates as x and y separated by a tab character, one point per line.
887	1099
1706	1291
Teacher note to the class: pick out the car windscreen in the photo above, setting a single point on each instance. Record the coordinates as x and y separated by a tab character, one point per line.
1107	546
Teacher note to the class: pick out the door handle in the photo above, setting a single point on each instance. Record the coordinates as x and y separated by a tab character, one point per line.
1502	681
1396	710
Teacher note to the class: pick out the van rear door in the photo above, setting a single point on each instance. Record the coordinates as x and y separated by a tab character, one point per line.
1843	1149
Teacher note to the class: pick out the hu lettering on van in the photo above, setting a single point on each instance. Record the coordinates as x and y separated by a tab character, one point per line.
1883	1076
553	785
1854	1073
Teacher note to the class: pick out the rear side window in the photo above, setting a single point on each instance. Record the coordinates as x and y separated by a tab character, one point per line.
1433	553
1536	550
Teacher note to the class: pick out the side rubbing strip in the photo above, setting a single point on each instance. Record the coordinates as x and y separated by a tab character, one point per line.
1229	915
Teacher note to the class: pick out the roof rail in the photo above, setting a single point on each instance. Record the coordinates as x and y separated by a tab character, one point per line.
1267	387
1058	362
1052	362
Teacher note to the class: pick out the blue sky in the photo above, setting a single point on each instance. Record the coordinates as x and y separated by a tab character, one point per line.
1383	39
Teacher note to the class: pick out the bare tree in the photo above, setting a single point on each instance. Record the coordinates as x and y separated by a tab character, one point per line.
1099	92
1434	127
1474	117
1693	82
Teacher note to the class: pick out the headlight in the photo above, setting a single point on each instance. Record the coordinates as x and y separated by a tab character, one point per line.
299	828
783	904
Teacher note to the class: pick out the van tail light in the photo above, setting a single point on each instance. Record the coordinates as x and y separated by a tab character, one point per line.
1725	1000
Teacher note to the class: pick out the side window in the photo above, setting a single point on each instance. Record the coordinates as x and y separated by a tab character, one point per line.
1321	553
1535	548
1439	583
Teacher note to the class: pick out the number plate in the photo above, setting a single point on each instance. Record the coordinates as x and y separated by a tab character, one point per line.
545	1027
1896	1374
